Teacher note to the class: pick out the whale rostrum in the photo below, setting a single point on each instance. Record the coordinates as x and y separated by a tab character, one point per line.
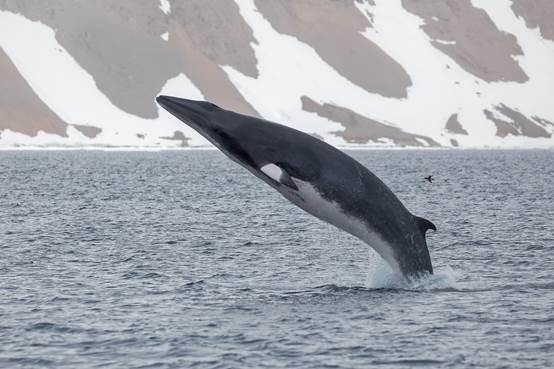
316	177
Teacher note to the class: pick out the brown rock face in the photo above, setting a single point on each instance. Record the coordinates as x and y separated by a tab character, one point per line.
361	130
90	132
543	122
333	29
206	74
217	29
454	126
129	65
178	136
21	110
132	49
207	34
119	44
537	13
472	39
517	124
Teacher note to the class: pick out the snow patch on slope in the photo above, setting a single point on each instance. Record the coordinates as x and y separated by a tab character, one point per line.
71	92
534	96
441	87
290	69
437	92
165	6
182	86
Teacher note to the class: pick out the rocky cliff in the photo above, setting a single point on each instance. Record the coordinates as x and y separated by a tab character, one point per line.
453	73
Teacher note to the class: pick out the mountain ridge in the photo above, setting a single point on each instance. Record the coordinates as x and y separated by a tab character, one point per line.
370	73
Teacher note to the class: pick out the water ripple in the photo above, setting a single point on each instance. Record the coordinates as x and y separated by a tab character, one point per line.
183	259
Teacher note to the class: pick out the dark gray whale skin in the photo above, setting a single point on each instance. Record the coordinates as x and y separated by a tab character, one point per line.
364	205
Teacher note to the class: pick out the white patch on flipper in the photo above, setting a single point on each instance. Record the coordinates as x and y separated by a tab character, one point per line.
309	199
272	171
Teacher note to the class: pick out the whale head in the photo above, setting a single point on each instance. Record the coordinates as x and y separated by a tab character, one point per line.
197	114
212	122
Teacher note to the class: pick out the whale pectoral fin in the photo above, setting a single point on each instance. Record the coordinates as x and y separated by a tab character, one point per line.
423	225
279	175
286	180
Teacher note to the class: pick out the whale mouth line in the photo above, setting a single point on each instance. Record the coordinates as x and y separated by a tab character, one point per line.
178	108
196	114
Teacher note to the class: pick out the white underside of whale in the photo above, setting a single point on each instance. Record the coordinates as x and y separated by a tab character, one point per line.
309	199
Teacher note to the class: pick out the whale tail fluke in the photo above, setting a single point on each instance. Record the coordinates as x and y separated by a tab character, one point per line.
423	225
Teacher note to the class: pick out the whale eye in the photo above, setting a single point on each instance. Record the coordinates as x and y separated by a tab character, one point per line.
210	106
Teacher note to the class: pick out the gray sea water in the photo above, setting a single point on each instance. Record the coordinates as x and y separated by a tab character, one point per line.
183	259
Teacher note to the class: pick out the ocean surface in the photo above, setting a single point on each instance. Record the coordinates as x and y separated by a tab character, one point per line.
183	259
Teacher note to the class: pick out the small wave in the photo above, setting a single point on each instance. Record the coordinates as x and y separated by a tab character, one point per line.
152	275
198	284
409	362
141	275
42	326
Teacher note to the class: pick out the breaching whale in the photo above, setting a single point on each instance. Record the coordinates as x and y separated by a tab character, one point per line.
316	177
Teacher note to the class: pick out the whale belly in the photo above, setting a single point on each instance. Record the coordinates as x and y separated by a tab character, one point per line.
308	198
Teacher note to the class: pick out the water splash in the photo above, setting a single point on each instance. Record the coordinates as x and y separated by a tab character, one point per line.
381	276
444	278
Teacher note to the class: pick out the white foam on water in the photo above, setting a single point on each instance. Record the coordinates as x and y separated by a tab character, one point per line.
443	278
380	275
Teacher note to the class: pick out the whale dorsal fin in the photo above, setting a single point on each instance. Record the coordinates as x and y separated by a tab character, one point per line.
423	225
279	175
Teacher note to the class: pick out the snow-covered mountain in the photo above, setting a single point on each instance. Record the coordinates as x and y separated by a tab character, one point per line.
462	73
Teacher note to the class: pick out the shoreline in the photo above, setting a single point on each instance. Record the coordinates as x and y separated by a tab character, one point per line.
211	148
